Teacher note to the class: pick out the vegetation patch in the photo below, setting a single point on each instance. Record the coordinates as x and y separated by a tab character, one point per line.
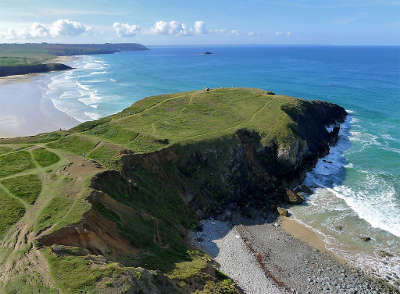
74	214
5	149
73	274
26	187
114	134
187	269
77	144
16	61
41	138
27	284
44	157
53	212
11	210
106	154
13	163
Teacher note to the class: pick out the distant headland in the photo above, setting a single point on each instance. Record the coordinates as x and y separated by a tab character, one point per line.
19	59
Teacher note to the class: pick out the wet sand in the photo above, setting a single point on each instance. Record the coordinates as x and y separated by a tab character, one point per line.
24	111
308	236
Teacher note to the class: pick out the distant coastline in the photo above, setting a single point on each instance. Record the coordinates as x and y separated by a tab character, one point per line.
34	57
31	69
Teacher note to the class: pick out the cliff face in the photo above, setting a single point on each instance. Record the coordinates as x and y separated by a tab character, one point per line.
233	172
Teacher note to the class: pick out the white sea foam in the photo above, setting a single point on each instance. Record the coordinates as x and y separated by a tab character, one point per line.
83	87
92	115
374	199
349	165
98	73
74	92
90	98
354	120
389	137
364	138
376	203
371	199
395	150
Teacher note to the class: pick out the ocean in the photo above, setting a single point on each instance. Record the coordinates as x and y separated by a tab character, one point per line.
356	187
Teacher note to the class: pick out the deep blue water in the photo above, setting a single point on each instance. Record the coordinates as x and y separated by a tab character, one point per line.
364	80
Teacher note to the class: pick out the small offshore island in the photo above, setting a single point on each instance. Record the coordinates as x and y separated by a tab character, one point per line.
117	204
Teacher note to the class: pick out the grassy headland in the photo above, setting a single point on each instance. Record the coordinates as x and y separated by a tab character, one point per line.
106	206
17	59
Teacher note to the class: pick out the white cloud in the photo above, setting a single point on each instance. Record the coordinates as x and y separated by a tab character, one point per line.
38	30
177	28
200	27
279	34
125	30
217	31
251	34
169	28
11	34
65	27
59	28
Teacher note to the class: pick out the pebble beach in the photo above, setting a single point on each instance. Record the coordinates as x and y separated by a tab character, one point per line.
263	258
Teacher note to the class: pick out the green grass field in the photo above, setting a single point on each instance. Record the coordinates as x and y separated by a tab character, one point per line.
13	163
4	150
16	61
53	212
26	187
11	210
44	157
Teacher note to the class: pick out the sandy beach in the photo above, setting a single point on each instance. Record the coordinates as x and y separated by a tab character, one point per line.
280	256
24	111
62	59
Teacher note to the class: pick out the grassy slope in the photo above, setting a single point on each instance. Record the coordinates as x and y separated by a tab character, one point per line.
59	160
157	122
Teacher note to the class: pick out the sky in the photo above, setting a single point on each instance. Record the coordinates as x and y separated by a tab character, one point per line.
179	22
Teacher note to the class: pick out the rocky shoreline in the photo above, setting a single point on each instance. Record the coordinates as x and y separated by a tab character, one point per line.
289	265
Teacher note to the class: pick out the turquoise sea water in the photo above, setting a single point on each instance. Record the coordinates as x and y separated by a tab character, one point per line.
358	185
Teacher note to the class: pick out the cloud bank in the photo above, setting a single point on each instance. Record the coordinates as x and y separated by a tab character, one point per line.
68	28
168	28
125	30
59	28
176	28
280	34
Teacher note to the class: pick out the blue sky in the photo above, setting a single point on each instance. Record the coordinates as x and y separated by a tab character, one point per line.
161	22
